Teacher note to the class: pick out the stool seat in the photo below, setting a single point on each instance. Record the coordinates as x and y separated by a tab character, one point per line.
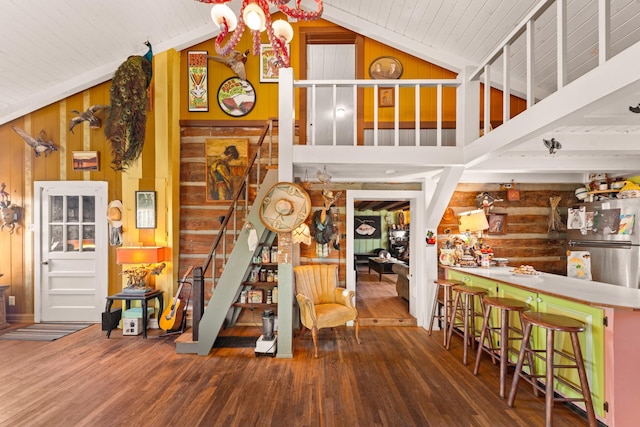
469	290
505	332
506	303
446	301
553	321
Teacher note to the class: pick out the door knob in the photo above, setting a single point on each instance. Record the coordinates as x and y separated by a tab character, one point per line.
45	262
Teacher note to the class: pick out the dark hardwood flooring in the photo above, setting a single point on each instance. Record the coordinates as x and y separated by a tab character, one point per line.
398	376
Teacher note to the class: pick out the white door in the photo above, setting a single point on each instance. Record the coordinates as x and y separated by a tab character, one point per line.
70	251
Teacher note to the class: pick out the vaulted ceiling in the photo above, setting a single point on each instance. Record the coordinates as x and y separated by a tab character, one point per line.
52	49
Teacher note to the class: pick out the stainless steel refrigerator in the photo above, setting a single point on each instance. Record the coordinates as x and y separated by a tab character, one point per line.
615	257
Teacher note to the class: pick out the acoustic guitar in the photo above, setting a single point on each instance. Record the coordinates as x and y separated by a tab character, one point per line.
171	319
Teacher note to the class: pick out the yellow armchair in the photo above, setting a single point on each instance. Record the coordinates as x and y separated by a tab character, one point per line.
322	303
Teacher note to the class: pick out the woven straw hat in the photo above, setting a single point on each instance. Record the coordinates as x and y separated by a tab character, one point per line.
285	206
114	213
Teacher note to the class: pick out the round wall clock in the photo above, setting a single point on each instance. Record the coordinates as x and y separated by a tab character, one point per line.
236	97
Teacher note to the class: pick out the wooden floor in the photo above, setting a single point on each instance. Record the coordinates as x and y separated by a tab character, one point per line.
378	302
398	376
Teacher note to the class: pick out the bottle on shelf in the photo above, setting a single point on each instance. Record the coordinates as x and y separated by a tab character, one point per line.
274	254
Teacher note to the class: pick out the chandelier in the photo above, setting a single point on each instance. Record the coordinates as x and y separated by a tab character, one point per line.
255	14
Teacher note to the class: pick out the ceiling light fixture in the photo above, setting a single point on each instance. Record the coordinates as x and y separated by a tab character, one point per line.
255	14
340	112
552	144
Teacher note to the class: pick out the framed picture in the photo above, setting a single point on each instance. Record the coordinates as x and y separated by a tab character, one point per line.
367	227
227	160
145	209
198	93
269	70
385	67
386	96
497	224
85	161
236	97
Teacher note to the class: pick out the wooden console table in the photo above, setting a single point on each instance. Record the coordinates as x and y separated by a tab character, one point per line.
132	296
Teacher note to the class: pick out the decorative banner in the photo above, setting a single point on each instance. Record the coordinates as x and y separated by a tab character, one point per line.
198	93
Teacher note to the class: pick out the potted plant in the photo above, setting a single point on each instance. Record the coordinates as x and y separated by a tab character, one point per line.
431	238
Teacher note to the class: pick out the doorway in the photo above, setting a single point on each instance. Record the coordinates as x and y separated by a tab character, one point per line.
388	281
70	255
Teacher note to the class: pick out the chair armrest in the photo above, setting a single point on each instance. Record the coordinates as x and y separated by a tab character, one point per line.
307	311
345	297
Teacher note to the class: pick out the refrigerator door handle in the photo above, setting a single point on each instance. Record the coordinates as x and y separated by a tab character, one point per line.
601	244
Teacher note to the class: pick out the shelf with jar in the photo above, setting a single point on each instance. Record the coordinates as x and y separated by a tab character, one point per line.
261	286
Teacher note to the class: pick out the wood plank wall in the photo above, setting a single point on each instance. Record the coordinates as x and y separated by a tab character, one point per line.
526	240
200	218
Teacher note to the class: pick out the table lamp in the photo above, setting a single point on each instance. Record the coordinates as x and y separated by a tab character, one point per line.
152	256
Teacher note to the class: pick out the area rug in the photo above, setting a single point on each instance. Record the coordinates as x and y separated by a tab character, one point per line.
44	331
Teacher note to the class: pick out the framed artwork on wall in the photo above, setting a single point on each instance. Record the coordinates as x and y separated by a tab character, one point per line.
269	70
198	92
85	161
227	160
145	209
367	227
385	67
497	224
236	97
386	96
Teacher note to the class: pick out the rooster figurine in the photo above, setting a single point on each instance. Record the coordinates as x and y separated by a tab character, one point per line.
126	122
91	116
40	145
235	61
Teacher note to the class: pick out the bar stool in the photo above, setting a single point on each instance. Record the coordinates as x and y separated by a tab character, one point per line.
465	303
553	323
445	301
506	306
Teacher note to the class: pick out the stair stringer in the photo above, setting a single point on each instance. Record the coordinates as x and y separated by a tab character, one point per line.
233	274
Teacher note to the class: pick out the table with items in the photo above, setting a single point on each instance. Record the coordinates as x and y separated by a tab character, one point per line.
133	296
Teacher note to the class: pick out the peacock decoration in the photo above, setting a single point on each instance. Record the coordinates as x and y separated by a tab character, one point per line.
126	122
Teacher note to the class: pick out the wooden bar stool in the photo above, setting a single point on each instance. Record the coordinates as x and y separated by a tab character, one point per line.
553	323
446	302
502	351
465	303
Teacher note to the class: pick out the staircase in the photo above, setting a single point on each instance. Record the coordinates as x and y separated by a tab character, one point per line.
209	318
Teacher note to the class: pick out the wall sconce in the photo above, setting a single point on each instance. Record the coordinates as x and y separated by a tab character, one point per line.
152	256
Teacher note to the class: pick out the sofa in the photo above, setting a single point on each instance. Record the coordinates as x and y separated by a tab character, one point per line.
402	283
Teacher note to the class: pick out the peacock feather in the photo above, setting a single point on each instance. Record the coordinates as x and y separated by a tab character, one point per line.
126	123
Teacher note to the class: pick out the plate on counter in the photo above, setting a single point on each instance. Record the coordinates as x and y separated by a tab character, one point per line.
528	276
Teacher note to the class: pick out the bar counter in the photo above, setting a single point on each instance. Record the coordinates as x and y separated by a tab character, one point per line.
612	337
584	291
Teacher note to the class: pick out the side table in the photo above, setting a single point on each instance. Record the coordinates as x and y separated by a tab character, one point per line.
143	298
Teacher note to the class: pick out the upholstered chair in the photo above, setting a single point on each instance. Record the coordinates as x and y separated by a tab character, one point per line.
322	303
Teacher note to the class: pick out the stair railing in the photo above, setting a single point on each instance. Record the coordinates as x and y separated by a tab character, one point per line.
218	251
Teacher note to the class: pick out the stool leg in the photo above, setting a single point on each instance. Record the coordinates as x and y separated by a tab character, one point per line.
584	384
465	351
445	316
433	310
483	335
548	397
452	319
504	345
518	370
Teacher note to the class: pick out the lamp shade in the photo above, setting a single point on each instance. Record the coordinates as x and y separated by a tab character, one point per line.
221	13
473	221
140	254
253	16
